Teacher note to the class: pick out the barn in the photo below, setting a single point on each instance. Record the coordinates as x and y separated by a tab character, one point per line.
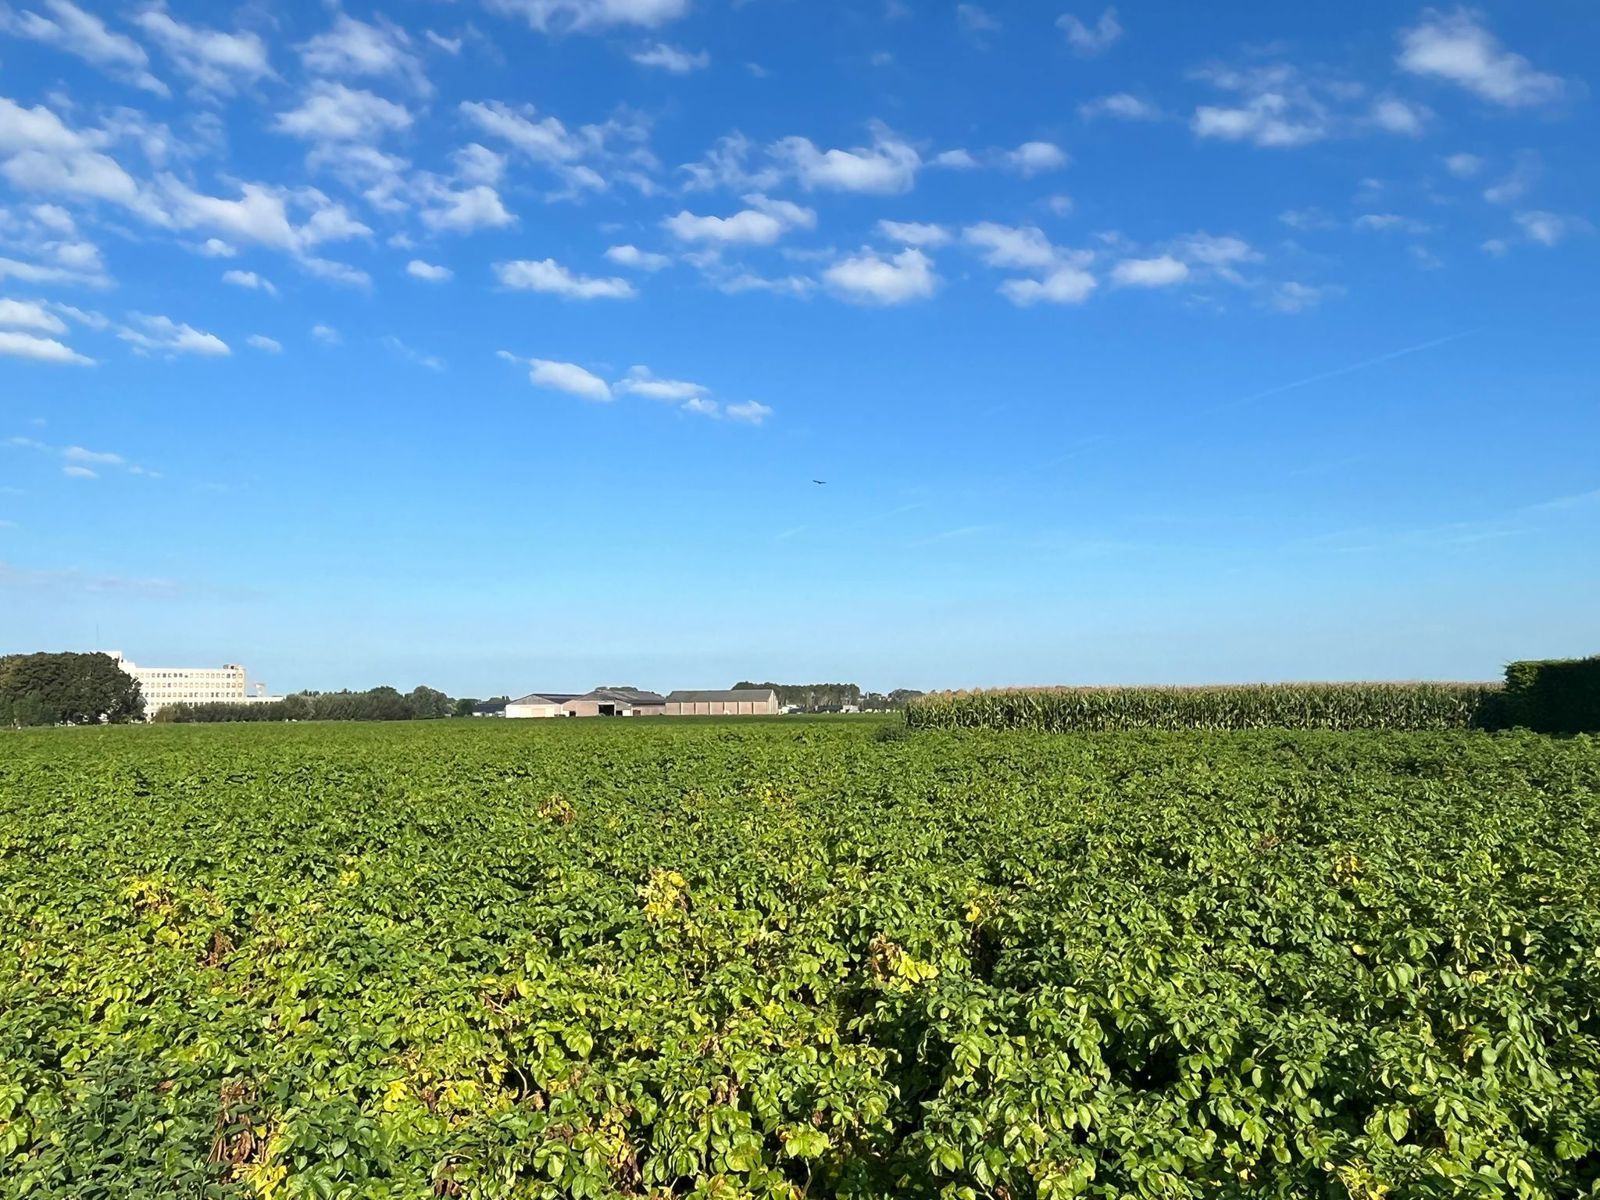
539	704
615	702
736	702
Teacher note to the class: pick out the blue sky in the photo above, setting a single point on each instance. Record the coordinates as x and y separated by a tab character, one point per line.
495	344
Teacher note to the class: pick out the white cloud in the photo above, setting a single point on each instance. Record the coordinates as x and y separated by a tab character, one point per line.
462	210
670	58
353	47
1518	183
39	152
1060	204
759	225
751	412
217	248
1162	271
428	272
640	260
169	336
70	29
568	377
1089	40
886	167
748	281
1295	297
1391	223
326	334
867	278
619	145
1548	228
96	458
1023	247
547	275
701	406
1270	119
336	272
216	61
1307	219
1463	166
75	472
1456	47
914	233
39	349
1398	116
262	342
336	113
30	314
261	215
476	163
1213	251
973	19
250	280
1032	158
412	355
1069	284
641	382
582	16
954	160
450	45
1125	106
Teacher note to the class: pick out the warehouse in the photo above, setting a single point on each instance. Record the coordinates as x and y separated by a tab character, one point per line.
539	704
615	702
736	702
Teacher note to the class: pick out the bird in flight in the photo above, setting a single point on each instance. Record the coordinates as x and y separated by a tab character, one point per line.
820	482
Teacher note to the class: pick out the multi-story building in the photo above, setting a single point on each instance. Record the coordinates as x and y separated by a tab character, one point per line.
163	687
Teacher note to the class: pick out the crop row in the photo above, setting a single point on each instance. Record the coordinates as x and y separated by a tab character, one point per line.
792	960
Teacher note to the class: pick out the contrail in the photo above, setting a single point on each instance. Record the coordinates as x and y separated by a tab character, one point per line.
1338	371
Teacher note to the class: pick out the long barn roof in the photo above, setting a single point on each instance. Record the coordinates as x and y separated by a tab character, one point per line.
732	695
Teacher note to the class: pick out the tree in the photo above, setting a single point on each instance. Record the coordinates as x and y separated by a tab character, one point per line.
464	706
428	704
67	689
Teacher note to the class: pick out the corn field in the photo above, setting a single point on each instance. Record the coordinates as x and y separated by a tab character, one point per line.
1379	706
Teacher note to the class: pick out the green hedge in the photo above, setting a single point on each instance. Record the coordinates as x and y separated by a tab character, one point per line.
1397	706
1559	695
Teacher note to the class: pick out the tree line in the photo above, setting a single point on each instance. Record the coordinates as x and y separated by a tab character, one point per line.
67	689
375	704
813	697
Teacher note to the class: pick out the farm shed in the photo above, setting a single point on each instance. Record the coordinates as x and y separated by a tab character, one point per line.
539	704
736	702
615	702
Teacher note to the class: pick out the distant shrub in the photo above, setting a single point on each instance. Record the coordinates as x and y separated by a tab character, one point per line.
1553	695
1383	706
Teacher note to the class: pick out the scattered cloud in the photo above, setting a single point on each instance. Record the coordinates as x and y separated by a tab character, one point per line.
214	60
868	278
887	167
976	20
639	260
1548	228
1091	40
68	28
332	112
1067	284
1021	247
1124	106
412	355
671	59
262	342
587	16
169	337
913	233
31	346
641	382
1399	116
1457	48
356	48
326	334
428	272
31	315
1161	271
1463	166
751	412
1518	182
76	472
547	275
1391	223
249	280
1034	158
954	160
1295	297
568	377
762	224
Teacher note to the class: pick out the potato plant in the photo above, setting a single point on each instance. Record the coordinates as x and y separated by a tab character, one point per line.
787	960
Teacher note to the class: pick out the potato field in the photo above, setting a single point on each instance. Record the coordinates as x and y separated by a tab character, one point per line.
796	959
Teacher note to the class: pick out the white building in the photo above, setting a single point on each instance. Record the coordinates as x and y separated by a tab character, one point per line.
539	704
163	687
